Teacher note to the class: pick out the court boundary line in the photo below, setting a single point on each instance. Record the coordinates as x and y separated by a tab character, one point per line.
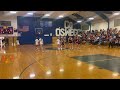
93	64
30	64
103	60
26	68
64	54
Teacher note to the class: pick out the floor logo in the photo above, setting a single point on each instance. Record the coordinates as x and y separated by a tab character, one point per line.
7	58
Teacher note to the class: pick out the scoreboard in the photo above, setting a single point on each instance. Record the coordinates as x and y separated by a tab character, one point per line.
6	30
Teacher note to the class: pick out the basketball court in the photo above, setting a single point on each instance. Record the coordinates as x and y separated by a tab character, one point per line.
25	58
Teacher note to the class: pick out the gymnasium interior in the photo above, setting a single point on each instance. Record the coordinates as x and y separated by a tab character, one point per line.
59	44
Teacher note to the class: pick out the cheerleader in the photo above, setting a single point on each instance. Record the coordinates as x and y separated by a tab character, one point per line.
62	43
58	43
65	42
41	43
70	39
77	42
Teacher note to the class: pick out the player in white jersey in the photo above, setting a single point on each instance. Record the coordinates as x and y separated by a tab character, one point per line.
41	43
36	43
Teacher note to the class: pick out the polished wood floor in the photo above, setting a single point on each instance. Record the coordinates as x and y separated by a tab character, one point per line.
29	62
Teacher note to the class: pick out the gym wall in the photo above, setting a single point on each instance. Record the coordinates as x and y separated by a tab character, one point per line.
104	25
13	21
34	22
98	26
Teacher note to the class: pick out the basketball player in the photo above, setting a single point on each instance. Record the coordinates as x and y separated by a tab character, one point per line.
36	43
41	43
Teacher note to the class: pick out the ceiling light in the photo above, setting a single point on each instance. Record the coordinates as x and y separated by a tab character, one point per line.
116	13
13	12
61	16
47	15
30	13
79	21
91	18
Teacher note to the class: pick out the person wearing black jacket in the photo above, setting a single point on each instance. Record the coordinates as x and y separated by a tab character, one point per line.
111	42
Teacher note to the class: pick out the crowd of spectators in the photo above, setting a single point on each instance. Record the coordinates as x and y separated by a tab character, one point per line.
109	37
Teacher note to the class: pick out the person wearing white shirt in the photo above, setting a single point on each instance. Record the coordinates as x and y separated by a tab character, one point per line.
111	42
41	43
17	41
58	43
36	43
1	43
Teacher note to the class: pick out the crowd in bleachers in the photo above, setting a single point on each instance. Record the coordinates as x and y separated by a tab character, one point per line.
109	37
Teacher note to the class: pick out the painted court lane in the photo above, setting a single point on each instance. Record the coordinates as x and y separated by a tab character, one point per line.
103	61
